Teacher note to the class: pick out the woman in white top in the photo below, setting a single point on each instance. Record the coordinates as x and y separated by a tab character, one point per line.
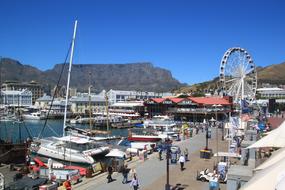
181	161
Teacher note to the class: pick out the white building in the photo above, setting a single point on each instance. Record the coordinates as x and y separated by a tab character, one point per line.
17	97
122	95
80	104
271	92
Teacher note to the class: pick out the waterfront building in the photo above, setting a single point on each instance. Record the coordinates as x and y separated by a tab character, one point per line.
192	108
61	91
128	109
34	87
16	97
271	93
123	95
43	101
57	108
80	104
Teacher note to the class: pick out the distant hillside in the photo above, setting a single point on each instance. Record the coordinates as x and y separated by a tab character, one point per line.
132	76
273	74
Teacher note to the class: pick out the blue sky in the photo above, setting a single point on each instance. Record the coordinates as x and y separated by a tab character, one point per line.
185	36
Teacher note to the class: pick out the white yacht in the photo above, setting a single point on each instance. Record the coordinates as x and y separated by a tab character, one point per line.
69	148
160	121
33	116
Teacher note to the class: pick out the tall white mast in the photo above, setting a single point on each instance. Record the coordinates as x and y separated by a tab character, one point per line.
68	76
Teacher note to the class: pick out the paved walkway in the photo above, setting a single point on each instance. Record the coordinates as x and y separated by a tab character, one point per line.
186	180
152	173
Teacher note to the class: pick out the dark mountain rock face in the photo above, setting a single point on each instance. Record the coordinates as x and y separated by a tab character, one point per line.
132	76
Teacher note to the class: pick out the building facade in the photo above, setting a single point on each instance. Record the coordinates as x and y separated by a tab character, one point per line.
80	104
192	108
122	95
34	87
16	97
271	93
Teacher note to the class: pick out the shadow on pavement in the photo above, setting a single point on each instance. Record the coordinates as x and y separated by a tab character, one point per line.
179	186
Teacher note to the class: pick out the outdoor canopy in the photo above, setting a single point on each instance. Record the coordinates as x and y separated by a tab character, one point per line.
116	153
276	138
266	179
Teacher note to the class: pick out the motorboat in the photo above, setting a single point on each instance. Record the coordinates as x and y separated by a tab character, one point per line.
160	122
33	116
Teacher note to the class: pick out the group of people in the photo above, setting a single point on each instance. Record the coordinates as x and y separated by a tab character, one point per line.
134	183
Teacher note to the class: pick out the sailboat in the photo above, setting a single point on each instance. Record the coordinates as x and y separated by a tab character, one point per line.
71	148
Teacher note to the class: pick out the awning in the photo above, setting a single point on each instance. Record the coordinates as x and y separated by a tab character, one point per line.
227	154
266	179
116	153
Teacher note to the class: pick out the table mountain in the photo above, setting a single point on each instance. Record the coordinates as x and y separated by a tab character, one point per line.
133	76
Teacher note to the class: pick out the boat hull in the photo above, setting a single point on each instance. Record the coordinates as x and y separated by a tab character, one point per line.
142	138
69	157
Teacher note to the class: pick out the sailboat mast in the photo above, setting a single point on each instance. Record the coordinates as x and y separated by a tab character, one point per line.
68	76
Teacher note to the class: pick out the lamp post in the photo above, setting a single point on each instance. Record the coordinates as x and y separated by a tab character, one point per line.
167	185
207	136
213	122
216	107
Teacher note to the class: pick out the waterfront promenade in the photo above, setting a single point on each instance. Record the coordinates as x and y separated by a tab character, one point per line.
152	172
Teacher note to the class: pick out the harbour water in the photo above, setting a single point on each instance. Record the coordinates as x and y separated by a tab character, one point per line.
15	131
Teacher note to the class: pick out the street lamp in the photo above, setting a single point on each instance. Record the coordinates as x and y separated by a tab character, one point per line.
207	136
167	185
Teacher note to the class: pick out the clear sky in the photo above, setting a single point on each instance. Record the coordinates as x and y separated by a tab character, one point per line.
185	36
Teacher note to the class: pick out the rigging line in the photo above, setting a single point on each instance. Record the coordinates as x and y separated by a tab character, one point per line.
52	130
28	130
55	91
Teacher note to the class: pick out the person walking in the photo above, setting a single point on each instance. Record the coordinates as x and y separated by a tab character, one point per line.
160	154
186	154
110	171
135	183
125	172
133	172
181	161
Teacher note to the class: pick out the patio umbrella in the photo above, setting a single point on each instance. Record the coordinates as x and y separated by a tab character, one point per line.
266	179
275	138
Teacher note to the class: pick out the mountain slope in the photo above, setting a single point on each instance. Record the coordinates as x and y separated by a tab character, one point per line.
133	76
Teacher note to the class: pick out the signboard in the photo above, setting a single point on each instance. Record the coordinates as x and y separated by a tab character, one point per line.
185	102
167	102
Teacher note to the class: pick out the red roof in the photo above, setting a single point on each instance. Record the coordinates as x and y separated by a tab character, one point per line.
209	100
176	100
158	100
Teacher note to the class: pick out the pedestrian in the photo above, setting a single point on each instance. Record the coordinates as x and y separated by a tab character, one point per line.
181	161
135	183
186	154
110	171
160	154
133	172
125	172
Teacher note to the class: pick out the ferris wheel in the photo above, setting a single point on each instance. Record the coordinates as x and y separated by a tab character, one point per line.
238	77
